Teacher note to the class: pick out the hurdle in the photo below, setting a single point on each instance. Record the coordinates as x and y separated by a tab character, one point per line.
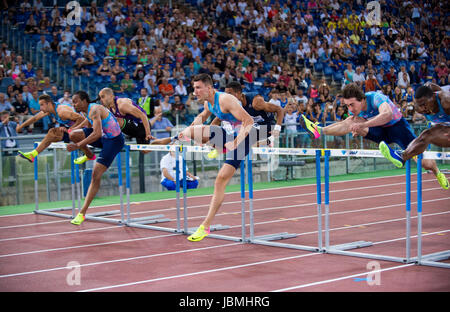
76	192
272	239
433	258
342	249
139	223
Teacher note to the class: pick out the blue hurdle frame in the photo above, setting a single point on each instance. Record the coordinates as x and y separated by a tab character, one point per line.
343	249
267	240
75	181
428	259
145	221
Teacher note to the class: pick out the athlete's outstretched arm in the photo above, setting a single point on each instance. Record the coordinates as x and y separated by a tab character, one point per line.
30	121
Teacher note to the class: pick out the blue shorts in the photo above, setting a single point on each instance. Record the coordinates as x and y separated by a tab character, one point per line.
171	186
110	147
219	136
400	133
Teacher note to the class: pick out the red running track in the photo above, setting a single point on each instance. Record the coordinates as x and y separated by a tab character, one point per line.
37	252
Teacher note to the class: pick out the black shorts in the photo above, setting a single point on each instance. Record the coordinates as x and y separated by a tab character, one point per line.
219	136
135	130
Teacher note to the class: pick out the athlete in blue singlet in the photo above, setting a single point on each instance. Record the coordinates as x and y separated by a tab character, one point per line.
375	118
236	145
64	114
436	108
103	132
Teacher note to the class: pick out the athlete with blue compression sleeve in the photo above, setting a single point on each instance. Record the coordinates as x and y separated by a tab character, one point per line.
101	130
436	108
376	118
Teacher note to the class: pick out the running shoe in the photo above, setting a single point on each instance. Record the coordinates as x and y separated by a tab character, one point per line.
310	126
28	156
82	159
200	234
442	179
213	154
78	219
390	154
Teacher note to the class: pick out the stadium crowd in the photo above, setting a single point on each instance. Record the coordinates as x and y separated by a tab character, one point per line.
297	54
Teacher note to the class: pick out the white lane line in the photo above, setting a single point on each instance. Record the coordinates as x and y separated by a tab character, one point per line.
132	240
343	278
120	260
200	272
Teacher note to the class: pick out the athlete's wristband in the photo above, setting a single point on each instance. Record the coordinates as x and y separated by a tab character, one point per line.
277	128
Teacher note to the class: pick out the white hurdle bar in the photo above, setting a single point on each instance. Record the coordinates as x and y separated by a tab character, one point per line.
76	188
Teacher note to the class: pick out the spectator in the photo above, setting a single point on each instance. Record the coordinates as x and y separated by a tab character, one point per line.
64	44
358	77
104	69
145	102
111	48
45	85
29	71
168	173
290	119
80	69
68	34
64	60
178	110
423	73
43	45
413	75
139	72
180	89
160	123
403	79
348	74
17	87
87	46
54	94
22	111
165	88
8	126
117	69
371	83
127	84
100	25
442	73
5	105
114	85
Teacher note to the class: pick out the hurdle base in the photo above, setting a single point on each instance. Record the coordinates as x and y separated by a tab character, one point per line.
282	245
432	259
150	220
366	255
102	214
53	214
276	236
352	245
